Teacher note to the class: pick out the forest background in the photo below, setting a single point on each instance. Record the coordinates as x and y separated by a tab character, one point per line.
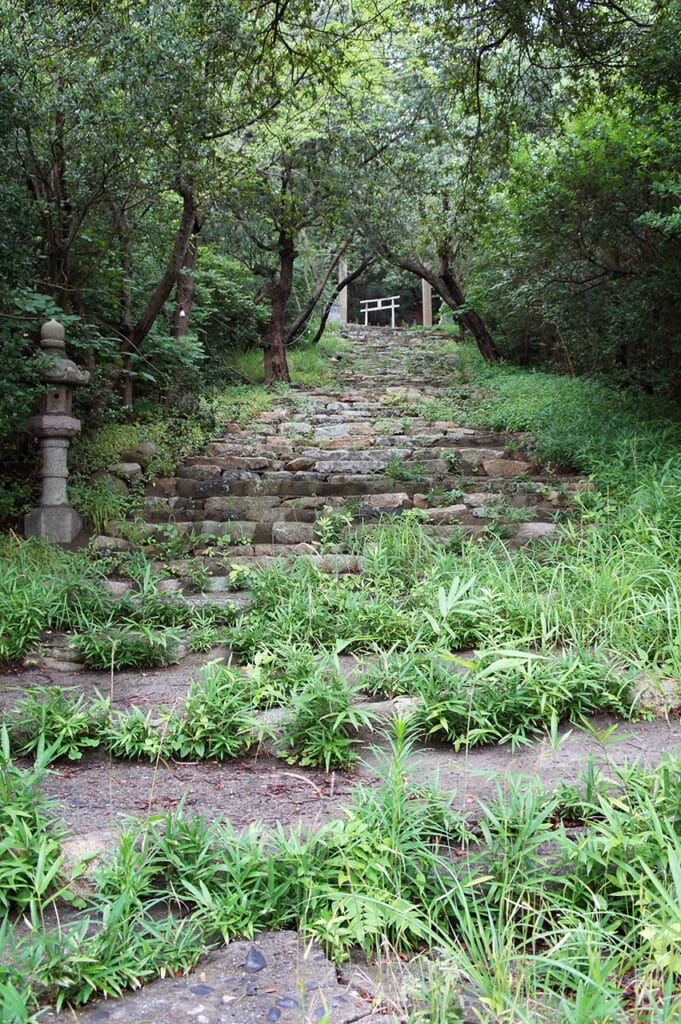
183	181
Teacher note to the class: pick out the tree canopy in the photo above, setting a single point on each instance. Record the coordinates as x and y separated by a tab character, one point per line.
180	177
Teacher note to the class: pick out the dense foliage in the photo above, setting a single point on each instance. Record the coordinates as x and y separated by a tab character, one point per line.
182	183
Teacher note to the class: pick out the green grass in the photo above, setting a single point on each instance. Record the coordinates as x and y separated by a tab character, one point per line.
44	588
308	364
540	921
534	922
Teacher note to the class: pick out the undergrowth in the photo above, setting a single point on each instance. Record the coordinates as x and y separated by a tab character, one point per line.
44	589
552	906
536	921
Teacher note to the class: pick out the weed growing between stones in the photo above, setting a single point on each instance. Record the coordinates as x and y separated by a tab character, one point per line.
215	722
44	589
530	919
30	835
56	720
399	470
321	727
514	697
128	646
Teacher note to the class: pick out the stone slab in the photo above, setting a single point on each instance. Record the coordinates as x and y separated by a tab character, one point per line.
478	498
277	978
446	514
203	472
292	533
130	471
396	499
534	531
506	467
476	456
233	506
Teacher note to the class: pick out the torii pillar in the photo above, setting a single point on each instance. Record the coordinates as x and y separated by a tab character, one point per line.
427	303
343	293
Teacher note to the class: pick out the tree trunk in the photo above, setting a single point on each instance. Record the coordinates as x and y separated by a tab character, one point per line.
470	319
276	366
167	282
186	284
446	285
366	262
320	284
126	308
133	335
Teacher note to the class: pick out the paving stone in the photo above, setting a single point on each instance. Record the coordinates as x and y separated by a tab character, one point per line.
332	431
300	463
535	531
478	498
397	499
348	465
233	506
203	472
211	488
241	983
476	456
277	481
117	588
102	543
446	514
294	428
506	467
311	502
272	417
292	533
130	471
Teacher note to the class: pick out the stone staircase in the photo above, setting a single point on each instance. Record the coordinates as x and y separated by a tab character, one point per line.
306	475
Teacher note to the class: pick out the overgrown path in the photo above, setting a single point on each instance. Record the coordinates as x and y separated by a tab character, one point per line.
373	479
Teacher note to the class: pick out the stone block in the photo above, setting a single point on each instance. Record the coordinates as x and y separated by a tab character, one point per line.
143	453
277	482
301	463
212	488
345	466
292	533
117	588
186	488
294	428
359	443
109	479
506	467
263	533
446	514
476	456
203	472
103	543
242	487
129	471
478	498
534	531
394	500
162	487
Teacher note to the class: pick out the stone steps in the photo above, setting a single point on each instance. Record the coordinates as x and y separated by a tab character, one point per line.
366	451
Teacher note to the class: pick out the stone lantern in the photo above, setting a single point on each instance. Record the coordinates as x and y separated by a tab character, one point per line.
55	520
